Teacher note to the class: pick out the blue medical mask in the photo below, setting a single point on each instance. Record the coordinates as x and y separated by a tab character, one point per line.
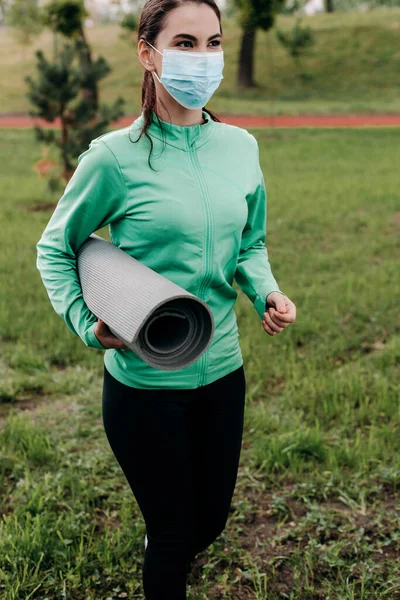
191	77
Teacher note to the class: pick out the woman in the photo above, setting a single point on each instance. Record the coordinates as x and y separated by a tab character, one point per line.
199	219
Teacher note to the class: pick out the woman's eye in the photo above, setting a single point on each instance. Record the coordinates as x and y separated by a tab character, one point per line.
216	42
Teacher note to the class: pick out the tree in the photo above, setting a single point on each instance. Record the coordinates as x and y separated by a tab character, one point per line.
296	41
67	88
66	17
129	25
253	14
23	16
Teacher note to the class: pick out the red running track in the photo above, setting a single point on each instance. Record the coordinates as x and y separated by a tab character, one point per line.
246	121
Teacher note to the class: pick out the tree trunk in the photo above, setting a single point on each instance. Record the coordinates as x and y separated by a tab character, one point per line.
329	6
246	59
65	169
89	92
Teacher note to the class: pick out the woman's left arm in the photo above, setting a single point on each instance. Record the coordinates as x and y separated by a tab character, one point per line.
253	271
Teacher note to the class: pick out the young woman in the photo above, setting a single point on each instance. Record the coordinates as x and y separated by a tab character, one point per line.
185	194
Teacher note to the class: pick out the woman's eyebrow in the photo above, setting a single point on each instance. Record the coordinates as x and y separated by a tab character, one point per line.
194	38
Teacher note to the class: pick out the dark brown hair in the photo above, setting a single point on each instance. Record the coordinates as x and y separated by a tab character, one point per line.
151	22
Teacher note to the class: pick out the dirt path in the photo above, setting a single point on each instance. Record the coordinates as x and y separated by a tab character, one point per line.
246	121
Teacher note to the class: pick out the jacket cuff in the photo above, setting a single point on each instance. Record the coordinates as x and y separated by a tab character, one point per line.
91	339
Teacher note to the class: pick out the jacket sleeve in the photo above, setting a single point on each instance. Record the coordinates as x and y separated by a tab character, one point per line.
93	197
253	270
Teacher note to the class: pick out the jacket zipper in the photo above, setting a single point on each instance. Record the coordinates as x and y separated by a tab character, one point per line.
209	242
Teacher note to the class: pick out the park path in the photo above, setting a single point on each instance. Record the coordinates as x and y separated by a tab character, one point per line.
246	121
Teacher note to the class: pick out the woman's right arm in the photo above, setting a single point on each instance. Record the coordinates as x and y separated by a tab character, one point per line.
94	197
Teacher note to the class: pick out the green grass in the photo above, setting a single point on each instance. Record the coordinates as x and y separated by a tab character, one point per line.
353	67
315	514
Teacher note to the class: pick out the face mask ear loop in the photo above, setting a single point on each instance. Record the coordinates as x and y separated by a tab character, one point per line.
158	53
154	48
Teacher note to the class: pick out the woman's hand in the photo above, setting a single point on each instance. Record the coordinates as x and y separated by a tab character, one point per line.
280	314
106	338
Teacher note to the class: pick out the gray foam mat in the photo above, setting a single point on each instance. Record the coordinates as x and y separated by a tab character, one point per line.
167	326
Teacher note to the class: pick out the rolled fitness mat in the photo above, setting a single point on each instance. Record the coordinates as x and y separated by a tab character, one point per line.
167	326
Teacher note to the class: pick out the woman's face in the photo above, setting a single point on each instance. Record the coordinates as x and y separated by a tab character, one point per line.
189	28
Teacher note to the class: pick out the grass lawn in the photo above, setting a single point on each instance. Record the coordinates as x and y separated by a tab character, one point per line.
353	67
315	513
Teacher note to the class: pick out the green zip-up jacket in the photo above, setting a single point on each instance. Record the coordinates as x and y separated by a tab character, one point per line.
199	220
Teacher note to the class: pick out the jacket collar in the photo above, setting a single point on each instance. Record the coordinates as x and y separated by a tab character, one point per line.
180	136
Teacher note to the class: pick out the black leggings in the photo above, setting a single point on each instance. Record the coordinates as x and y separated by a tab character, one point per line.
179	451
